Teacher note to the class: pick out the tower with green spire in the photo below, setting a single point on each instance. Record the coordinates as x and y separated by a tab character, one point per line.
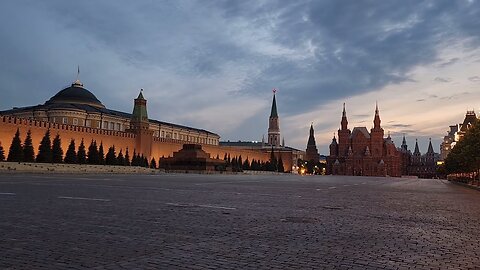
274	125
140	125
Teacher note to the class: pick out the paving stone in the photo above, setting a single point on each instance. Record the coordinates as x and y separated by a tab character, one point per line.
236	222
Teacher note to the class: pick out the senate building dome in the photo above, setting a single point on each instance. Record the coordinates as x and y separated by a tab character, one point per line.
75	94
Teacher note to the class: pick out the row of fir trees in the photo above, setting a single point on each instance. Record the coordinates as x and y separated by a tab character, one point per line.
238	165
51	152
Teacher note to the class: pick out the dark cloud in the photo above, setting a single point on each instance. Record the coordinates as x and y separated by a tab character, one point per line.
442	80
474	79
449	62
191	51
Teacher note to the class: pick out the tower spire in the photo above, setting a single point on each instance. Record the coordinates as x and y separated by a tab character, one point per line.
274	124
376	119
416	151
274	112
344	122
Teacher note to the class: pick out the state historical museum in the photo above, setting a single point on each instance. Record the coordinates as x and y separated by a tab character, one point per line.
360	152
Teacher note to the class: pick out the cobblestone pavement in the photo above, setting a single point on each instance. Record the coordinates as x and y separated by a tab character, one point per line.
236	222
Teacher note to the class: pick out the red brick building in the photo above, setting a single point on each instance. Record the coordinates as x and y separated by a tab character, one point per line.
359	152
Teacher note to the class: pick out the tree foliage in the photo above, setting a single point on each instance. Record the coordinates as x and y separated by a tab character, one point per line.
15	154
45	149
71	155
92	154
111	157
28	151
2	153
57	151
81	154
465	156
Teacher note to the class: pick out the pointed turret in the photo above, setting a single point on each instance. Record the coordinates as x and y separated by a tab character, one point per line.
312	152
140	125
311	138
273	112
334	147
367	151
140	109
376	119
274	125
430	148
417	150
344	122
404	146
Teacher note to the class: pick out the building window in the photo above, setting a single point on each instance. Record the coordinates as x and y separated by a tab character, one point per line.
75	121
112	126
98	124
163	134
64	120
88	123
54	120
119	126
105	125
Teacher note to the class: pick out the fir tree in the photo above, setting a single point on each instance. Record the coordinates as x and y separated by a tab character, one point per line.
273	162
280	165
28	152
15	154
134	159
218	157
101	154
57	151
143	161
45	149
71	155
81	154
92	154
2	153
246	164
120	159
111	157
127	158
153	163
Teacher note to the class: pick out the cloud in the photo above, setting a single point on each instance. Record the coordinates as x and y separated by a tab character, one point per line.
204	57
450	62
442	80
474	79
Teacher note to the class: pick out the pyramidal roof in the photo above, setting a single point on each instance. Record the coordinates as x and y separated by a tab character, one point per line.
274	113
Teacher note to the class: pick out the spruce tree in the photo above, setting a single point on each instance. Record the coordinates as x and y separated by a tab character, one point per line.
45	149
92	154
153	163
127	158
134	159
280	165
71	155
120	159
15	154
101	154
246	164
28	152
145	162
2	153
57	151
111	157
81	154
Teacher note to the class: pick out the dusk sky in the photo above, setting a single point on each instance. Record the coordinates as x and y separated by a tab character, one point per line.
213	64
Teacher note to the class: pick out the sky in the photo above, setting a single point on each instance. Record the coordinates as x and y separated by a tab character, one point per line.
213	64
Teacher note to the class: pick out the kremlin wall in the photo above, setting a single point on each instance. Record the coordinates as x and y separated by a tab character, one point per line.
75	113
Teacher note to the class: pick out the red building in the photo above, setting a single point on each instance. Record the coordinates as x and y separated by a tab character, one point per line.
360	152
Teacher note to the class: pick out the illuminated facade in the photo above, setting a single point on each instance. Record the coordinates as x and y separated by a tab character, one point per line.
456	133
359	152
